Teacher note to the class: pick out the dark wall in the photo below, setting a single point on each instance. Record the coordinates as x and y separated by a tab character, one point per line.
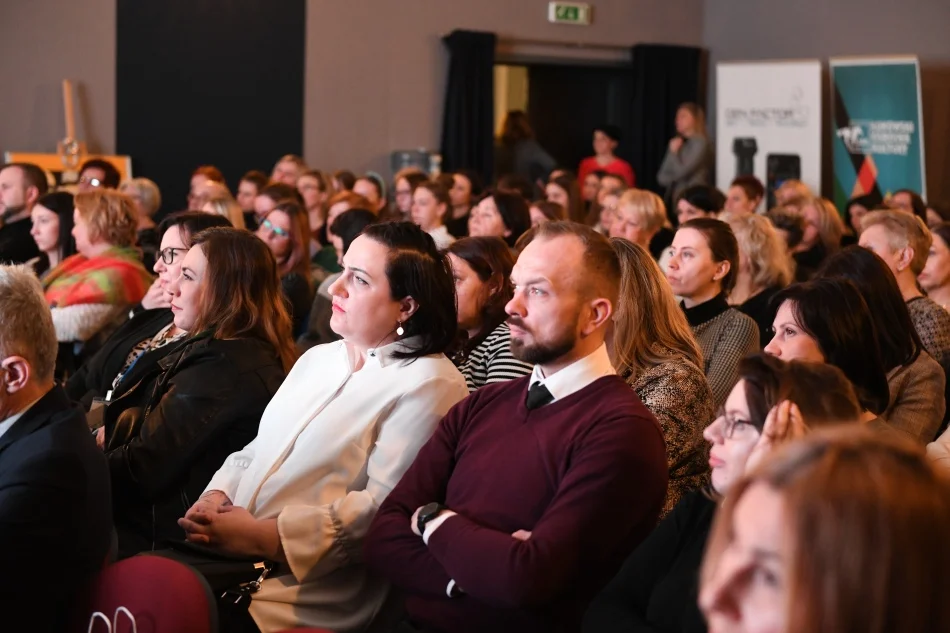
208	82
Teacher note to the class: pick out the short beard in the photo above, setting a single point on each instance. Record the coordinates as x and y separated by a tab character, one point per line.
543	353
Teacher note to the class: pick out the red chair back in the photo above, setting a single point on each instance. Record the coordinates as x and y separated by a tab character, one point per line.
164	595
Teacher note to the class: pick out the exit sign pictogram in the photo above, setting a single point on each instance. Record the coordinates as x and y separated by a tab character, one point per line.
569	13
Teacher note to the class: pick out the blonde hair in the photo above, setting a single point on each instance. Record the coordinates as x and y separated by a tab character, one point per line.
903	230
227	206
110	216
147	192
649	328
647	206
769	261
792	193
830	225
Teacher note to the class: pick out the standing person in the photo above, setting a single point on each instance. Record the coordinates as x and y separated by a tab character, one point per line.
935	277
472	551
466	188
430	204
702	270
606	140
481	267
564	191
52	218
518	153
21	186
688	158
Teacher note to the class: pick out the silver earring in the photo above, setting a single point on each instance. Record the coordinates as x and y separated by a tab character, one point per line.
399	330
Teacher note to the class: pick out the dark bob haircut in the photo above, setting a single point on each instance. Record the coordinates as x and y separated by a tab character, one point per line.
833	312
417	269
348	225
190	223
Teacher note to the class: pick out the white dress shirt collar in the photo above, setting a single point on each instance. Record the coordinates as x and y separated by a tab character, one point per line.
577	375
5	425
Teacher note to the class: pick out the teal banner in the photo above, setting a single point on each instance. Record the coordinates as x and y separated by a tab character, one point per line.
877	140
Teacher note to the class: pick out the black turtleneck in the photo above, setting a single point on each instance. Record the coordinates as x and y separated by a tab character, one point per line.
699	314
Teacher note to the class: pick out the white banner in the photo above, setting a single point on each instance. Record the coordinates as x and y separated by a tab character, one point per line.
768	123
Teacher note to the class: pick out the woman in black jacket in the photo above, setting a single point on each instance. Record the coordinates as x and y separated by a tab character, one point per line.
169	433
150	335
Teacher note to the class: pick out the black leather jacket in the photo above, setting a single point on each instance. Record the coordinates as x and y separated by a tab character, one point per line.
168	434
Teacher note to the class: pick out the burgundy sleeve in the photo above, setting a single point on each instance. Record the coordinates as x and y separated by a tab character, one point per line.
390	546
616	481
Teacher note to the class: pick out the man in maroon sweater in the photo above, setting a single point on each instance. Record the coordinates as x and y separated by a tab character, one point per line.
526	500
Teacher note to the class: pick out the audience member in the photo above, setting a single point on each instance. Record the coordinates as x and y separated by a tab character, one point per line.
765	267
542	211
474	552
789	224
208	190
937	214
699	201
52	218
935	277
343	180
430	204
135	349
652	347
590	185
688	159
105	277
267	199
792	193
777	548
166	436
404	185
288	169
314	187
148	200
327	261
828	321
251	185
564	191
55	511
481	268
466	188
286	232
96	173
371	188
640	215
519	185
908	201
915	379
227	207
856	208
606	140
338	436
821	238
744	196
200	176
500	214
517	151
657	587
21	185
702	270
603	212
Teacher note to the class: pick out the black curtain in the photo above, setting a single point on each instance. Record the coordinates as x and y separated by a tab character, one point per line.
469	117
208	82
663	78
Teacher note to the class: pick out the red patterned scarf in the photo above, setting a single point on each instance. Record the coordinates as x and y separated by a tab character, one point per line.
116	277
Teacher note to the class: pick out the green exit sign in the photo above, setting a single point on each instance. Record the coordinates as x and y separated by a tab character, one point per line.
569	13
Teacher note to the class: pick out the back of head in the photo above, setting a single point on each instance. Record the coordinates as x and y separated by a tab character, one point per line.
516	128
345	178
349	224
769	262
516	184
27	322
111	174
873	496
903	230
241	295
417	269
722	243
898	339
190	223
602	272
110	215
833	312
648	324
704	197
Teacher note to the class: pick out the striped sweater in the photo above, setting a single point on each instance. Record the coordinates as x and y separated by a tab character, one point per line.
492	361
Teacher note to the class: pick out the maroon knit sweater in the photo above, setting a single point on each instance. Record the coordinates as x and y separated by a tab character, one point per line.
586	475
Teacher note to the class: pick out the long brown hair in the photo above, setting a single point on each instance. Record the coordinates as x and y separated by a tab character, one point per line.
516	128
241	297
298	260
872	496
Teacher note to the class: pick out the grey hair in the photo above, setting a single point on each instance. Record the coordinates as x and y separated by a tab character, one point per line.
147	191
27	321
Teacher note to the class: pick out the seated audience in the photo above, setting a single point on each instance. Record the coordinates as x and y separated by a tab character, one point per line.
404	185
603	212
227	207
903	241
653	349
148	200
286	232
935	277
563	190
371	188
481	268
166	436
765	267
821	237
657	587
199	177
744	196
542	211
688	158
937	214
52	218
208	190
466	188
916	381
699	201
792	193
640	214
789	224
590	185
21	186
314	187
268	198
430	203
472	549
702	270
856	208
249	188
97	173
777	548
105	277
327	260
500	214
141	342
288	169
55	510
338	436
908	201
828	321
606	140
517	184
343	180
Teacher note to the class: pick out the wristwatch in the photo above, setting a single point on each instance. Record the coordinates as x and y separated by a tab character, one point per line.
427	513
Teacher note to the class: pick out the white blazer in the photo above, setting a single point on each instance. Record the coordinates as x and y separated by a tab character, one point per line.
332	444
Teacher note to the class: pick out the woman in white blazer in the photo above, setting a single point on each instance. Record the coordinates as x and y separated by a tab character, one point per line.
337	437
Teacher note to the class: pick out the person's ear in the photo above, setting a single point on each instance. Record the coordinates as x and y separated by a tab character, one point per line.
17	373
601	311
722	269
32	195
407	307
904	257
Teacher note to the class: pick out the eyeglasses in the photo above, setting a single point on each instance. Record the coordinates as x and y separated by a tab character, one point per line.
92	182
276	230
730	423
168	254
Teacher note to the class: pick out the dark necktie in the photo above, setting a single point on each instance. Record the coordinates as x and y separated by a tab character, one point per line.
538	396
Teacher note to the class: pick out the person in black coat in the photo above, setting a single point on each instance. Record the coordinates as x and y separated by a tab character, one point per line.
169	433
55	507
